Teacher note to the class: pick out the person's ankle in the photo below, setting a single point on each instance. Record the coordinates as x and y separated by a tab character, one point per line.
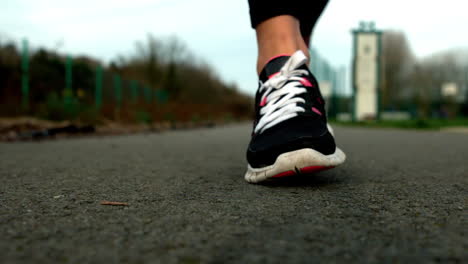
276	36
263	60
273	47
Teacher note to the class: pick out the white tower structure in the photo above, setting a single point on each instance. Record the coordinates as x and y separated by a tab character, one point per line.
366	72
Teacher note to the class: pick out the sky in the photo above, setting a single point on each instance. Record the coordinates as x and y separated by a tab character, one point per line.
218	31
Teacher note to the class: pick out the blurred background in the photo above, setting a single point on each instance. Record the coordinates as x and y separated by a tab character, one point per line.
193	61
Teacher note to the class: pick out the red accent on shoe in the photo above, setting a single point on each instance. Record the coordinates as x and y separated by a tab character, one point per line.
277	56
284	174
316	111
312	169
273	75
319	100
263	102
306	82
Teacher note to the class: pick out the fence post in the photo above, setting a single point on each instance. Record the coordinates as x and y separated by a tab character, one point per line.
118	90
161	96
147	94
134	91
25	75
98	88
68	80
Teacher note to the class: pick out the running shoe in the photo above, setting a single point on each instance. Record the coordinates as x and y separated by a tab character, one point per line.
290	133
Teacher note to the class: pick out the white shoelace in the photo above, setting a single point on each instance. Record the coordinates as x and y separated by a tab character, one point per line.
277	109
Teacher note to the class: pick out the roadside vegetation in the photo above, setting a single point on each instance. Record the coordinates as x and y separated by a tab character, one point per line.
160	81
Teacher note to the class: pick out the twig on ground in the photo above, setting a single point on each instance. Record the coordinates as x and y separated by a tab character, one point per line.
114	203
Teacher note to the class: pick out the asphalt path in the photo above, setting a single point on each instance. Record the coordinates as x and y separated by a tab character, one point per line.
401	197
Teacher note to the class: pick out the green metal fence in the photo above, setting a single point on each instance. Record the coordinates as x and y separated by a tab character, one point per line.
25	75
122	92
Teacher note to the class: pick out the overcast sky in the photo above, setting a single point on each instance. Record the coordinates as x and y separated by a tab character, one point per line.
219	30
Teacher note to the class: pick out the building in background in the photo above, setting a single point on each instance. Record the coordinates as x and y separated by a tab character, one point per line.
366	72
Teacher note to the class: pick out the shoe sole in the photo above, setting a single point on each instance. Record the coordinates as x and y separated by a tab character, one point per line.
295	162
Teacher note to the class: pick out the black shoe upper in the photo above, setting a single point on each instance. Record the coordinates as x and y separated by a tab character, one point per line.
307	130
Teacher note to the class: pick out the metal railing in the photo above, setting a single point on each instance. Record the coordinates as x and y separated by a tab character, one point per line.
135	89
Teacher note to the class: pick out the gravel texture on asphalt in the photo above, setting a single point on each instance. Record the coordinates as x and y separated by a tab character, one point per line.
400	197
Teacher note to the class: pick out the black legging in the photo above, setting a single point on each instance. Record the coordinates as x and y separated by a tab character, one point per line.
306	11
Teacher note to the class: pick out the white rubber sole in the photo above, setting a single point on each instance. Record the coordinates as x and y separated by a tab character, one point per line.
299	161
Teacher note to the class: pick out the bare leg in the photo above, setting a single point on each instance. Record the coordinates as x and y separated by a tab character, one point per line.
276	36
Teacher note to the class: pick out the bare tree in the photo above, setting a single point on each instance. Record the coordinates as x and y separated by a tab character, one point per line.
398	64
149	55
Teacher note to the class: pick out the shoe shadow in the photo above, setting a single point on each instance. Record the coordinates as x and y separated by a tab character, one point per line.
318	179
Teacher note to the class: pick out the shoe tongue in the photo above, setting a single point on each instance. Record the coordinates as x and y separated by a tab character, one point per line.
273	66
